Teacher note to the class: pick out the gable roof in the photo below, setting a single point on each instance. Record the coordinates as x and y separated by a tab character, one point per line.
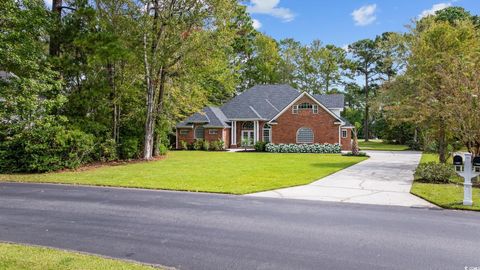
260	102
313	99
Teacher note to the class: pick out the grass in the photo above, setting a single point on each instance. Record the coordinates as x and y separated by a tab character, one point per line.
445	195
21	257
381	145
223	172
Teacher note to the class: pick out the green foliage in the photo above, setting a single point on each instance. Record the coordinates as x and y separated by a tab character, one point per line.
162	150
221	144
129	148
260	146
184	145
107	150
414	145
433	172
197	144
216	145
46	146
351	154
453	15
303	148
206	145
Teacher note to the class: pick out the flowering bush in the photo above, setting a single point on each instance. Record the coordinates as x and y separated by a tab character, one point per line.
303	148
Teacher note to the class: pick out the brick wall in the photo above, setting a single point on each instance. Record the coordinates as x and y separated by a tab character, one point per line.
190	136
322	124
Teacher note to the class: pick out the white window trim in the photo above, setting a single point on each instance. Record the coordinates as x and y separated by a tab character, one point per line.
344	131
295	109
315	108
269	134
213	131
184	131
313	136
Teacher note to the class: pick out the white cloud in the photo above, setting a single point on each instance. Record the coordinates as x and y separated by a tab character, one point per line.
364	15
256	24
270	7
433	9
48	3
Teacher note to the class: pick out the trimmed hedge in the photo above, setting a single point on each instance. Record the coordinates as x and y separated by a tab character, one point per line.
303	148
433	172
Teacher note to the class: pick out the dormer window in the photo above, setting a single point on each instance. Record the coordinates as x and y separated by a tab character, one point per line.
305	106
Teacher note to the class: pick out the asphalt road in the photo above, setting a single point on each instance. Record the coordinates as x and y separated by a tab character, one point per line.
207	231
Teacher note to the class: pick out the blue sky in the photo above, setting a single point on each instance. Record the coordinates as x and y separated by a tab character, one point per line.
342	22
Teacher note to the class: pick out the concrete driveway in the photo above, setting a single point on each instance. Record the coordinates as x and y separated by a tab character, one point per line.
384	179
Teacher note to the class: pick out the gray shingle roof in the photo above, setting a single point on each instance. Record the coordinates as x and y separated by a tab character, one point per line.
259	102
331	100
211	116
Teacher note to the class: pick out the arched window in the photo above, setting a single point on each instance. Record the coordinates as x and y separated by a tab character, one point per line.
247	125
199	132
304	135
304	106
267	133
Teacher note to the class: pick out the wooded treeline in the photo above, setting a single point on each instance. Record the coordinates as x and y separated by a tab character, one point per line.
101	80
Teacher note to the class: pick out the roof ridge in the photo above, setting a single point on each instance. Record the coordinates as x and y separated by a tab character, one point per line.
268	101
255	112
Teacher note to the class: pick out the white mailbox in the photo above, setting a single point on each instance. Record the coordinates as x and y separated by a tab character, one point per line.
469	170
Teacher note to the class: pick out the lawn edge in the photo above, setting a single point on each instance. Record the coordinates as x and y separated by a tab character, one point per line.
159	266
167	189
317	179
441	206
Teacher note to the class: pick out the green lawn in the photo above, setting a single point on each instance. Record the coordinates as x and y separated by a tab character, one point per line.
224	172
445	195
380	145
21	257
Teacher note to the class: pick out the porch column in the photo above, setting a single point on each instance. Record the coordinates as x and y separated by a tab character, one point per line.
255	132
233	135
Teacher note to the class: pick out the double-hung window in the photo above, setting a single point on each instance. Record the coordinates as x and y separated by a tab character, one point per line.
295	109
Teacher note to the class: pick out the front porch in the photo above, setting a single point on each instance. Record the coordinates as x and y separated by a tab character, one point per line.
246	133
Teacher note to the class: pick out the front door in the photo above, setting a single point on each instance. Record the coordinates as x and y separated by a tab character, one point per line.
247	137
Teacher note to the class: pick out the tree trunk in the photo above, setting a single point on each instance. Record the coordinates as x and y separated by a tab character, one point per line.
159	110
54	46
113	99
442	143
355	150
366	130
149	124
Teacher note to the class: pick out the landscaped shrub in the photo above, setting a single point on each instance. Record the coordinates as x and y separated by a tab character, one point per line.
107	150
129	148
303	148
260	146
184	145
162	150
221	144
433	172
45	146
216	145
206	145
414	145
350	154
197	145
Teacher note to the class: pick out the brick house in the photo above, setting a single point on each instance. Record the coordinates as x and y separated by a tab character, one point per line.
270	113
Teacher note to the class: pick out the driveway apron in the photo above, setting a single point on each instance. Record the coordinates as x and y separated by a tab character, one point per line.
384	179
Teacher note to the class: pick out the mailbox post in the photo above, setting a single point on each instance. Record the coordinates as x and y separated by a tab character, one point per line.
469	170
